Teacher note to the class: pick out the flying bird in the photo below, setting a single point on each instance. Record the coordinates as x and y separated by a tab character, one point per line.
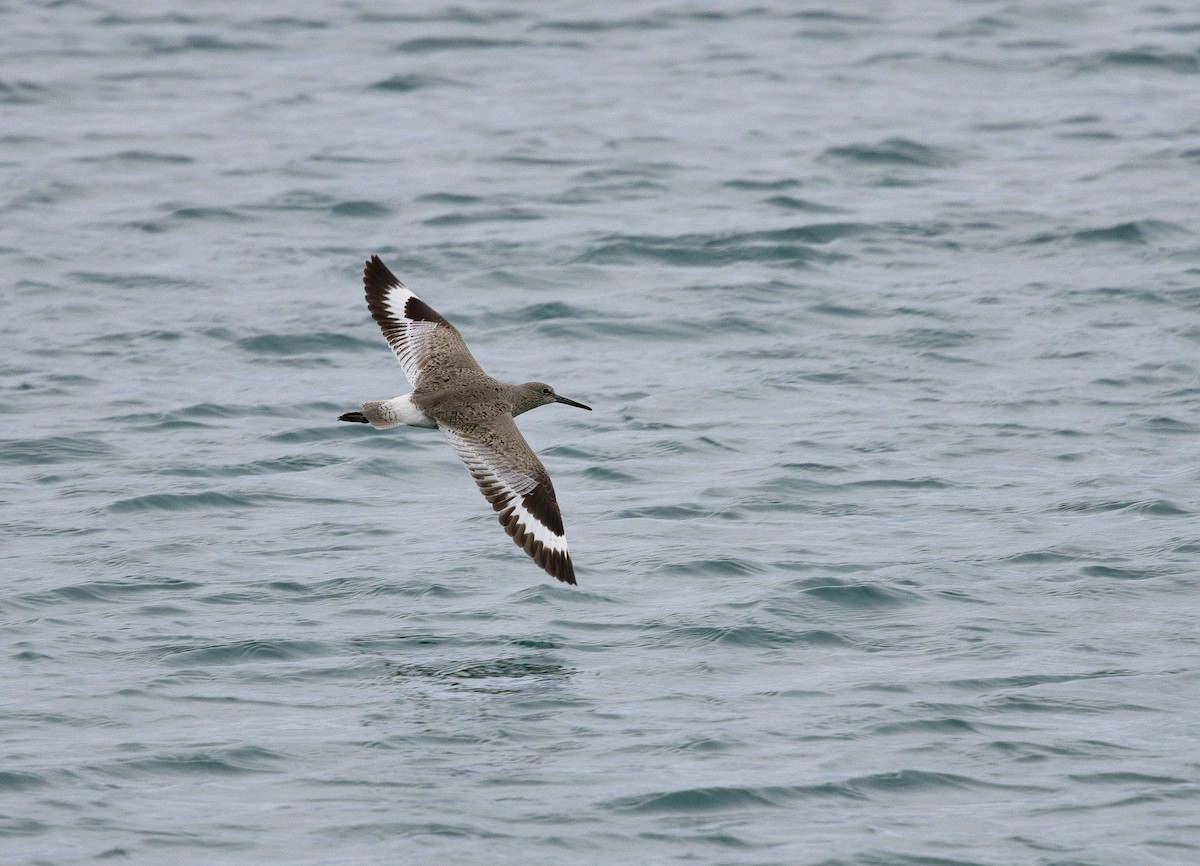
475	413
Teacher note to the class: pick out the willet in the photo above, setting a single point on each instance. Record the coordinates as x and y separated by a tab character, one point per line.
474	411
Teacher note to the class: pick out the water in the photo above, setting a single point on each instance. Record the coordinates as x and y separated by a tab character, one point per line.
885	522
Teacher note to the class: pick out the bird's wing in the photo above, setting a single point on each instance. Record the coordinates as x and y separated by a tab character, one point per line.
512	478
418	335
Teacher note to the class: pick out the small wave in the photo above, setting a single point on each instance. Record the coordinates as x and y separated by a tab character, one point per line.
825	308
852	593
126	338
242	652
431	44
1158	507
145	157
15	781
131	280
1033	703
901	484
277	345
206	500
795	246
11	827
511	214
723	798
762	185
1134	232
608	475
274	466
334	431
667	512
221	762
717	566
449	198
925	726
360	208
787	202
21	92
1165	424
1038	557
812	467
216	410
159	45
503	668
218	214
932	338
293	23
51	449
1150	59
538	158
597	25
751	636
1115	573
407	83
545	312
1028	681
1129	778
893	151
830	15
106	591
923	780
297	199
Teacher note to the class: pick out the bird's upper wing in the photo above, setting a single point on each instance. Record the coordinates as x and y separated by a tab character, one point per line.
418	335
512	478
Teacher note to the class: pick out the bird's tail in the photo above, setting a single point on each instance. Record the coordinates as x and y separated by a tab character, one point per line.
380	414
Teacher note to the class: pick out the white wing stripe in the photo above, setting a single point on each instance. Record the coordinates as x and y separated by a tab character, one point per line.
537	529
508	486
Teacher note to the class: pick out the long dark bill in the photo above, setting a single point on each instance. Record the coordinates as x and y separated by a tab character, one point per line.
560	399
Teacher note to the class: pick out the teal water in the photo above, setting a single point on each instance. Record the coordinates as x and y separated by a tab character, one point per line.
885	521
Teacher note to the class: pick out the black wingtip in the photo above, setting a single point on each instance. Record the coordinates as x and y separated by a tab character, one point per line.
376	275
357	417
556	563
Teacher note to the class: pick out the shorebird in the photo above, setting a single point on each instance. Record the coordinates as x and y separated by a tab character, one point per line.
475	412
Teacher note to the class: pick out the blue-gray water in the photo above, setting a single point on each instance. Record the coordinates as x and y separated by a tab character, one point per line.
886	522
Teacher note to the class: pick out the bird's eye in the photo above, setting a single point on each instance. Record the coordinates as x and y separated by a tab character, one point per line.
545	390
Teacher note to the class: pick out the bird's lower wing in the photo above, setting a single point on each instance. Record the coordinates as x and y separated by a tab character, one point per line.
512	478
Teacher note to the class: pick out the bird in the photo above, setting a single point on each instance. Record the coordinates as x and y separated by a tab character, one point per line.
475	412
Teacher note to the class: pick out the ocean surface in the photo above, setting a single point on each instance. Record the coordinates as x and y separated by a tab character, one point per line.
886	522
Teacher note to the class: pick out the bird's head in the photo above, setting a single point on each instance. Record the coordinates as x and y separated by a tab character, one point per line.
533	394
